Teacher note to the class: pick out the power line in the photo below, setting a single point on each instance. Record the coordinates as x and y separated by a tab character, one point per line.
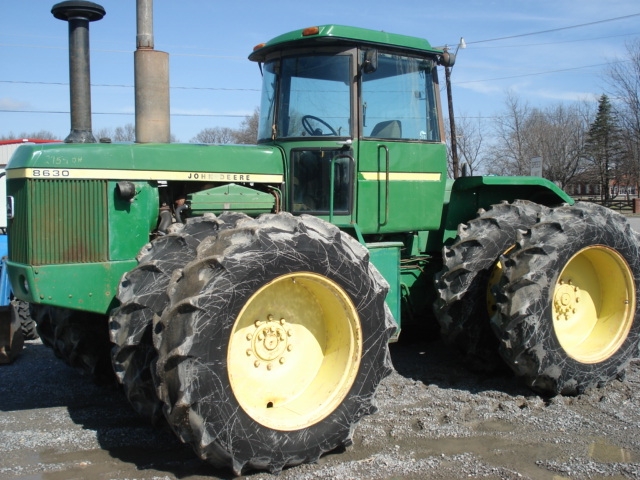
539	32
25	82
580	40
55	47
218	115
66	112
535	74
555	29
226	89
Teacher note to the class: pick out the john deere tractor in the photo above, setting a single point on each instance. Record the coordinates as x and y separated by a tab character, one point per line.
247	294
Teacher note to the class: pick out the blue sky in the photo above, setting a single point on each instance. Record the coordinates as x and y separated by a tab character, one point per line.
213	83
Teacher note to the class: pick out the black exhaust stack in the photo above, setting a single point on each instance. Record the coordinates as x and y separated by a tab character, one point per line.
79	13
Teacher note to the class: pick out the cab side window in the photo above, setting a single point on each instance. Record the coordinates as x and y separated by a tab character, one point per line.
398	99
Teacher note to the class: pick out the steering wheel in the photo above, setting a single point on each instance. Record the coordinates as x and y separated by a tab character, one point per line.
317	131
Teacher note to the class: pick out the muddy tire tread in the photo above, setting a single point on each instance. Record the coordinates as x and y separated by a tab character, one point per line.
80	339
28	325
523	322
143	294
461	284
192	379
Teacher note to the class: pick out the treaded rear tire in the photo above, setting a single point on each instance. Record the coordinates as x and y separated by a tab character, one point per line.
461	307
524	323
194	334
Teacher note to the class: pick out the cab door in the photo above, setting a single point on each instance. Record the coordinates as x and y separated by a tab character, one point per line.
401	155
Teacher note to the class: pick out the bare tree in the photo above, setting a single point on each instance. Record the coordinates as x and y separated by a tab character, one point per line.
470	142
126	133
215	135
248	131
40	134
509	154
624	79
558	135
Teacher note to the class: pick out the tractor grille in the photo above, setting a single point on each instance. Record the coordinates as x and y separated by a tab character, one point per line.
59	221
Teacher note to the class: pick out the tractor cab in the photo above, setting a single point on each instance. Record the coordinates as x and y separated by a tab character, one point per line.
357	114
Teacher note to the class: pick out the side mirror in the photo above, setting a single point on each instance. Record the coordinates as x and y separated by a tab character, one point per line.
370	62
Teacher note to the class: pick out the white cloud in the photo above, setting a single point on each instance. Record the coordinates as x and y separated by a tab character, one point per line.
7	103
563	95
481	87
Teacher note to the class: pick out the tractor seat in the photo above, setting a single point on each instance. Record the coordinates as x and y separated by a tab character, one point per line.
387	129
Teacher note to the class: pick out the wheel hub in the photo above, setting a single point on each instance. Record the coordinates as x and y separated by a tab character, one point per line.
566	299
269	342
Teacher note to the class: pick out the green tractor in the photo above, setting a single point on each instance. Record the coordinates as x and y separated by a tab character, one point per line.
247	294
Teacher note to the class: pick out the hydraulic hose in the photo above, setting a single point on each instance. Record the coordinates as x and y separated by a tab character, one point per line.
179	211
165	222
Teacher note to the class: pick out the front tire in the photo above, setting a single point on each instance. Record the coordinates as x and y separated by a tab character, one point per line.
143	294
273	344
21	309
568	303
80	339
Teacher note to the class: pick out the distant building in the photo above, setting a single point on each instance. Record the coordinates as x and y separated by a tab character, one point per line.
7	147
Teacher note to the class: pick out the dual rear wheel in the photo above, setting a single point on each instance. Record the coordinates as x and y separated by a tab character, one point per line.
560	295
568	300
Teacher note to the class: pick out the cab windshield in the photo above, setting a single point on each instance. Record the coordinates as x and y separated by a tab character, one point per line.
310	97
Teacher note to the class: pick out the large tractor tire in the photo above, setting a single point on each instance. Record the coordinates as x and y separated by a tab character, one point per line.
471	266
11	340
142	294
568	302
80	339
21	310
273	344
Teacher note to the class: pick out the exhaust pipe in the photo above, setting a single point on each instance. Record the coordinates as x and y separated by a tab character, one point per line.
79	14
151	70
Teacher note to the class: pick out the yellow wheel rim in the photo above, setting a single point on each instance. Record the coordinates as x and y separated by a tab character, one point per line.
294	351
494	278
594	304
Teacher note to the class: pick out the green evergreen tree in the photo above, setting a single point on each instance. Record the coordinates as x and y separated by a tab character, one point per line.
604	147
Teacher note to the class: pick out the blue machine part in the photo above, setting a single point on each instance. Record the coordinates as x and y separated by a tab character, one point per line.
5	286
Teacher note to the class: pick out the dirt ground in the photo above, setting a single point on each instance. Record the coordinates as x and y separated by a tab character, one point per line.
436	419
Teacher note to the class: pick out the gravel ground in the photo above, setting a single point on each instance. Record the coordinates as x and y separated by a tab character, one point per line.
436	419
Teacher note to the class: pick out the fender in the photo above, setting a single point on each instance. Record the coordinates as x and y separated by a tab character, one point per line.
468	194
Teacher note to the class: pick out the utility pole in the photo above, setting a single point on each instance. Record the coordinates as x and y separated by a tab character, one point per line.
452	121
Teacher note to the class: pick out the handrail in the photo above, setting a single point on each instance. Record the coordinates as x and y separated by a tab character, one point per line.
386	189
332	181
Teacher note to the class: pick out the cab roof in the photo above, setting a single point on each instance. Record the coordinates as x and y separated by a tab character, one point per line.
339	34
